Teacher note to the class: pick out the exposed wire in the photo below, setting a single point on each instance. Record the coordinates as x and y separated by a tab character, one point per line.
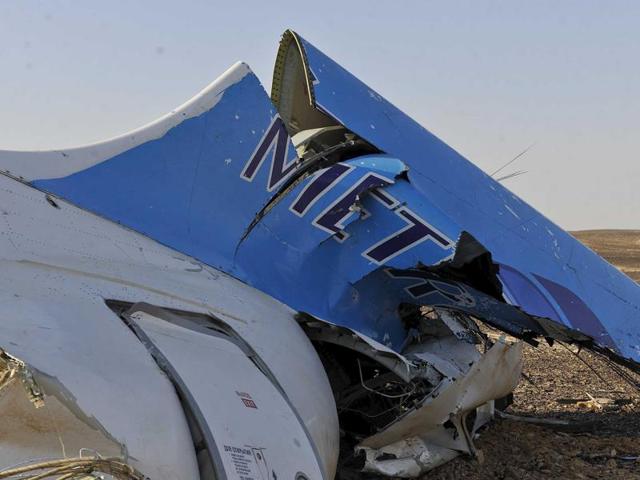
617	369
620	371
386	395
380	414
68	468
511	175
577	355
513	159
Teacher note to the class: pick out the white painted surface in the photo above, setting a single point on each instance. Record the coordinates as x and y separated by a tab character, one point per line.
58	265
261	439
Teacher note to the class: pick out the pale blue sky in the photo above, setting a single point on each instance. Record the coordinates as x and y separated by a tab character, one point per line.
490	78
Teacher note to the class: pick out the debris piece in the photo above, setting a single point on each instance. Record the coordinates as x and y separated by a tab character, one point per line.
77	467
11	368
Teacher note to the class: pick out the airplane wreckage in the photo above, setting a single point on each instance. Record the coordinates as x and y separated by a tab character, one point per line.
284	287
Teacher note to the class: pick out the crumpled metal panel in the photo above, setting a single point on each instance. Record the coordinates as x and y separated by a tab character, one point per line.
579	288
343	243
419	441
494	375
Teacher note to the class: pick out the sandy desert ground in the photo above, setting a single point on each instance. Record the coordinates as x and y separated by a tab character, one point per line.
602	439
619	247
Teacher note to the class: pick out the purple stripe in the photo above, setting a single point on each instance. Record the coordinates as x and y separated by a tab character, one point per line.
317	187
404	239
577	312
527	294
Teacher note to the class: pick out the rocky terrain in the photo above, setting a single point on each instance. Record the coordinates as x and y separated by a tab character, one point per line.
600	409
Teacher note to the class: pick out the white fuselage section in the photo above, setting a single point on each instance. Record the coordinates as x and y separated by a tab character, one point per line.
59	264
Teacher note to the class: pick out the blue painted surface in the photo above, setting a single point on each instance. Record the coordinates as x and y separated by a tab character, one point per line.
186	190
513	231
524	292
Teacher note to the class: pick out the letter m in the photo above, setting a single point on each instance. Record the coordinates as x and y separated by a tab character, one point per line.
274	144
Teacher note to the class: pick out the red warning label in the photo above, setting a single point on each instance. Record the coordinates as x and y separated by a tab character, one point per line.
246	399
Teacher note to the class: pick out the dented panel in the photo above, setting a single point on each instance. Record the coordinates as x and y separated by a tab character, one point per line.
582	291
